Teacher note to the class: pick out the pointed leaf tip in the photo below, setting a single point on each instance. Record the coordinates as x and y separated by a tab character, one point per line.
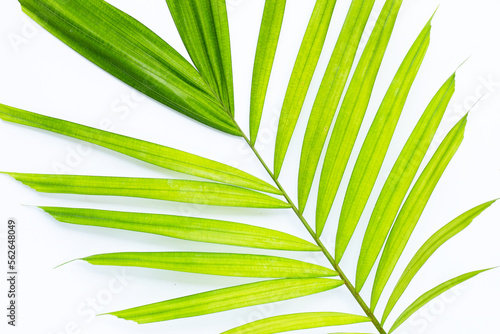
414	206
376	144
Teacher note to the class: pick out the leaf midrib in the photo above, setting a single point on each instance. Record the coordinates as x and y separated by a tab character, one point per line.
318	242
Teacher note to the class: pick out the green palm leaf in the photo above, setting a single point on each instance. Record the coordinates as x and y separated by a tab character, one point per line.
377	142
430	295
155	154
197	192
292	322
428	248
204	29
187	228
127	49
270	29
228	299
352	112
223	264
399	180
413	207
302	74
134	54
329	94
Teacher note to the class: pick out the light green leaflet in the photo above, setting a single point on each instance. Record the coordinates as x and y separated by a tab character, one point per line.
413	207
352	111
293	322
187	228
329	94
399	180
222	264
428	248
302	74
197	192
155	154
134	54
377	142
270	28
204	29
228	299
430	295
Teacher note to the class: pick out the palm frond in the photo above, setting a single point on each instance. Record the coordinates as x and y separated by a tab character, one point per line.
133	53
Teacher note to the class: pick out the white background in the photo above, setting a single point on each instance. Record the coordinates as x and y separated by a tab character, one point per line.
40	74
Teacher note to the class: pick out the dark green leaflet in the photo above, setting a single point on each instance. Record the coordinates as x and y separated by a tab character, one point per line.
127	49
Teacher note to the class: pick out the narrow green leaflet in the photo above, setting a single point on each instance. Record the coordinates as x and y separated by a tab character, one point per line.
228	299
222	264
197	192
377	142
352	111
413	207
399	180
329	94
204	29
429	247
430	295
134	54
155	154
302	74
293	322
187	228
270	29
